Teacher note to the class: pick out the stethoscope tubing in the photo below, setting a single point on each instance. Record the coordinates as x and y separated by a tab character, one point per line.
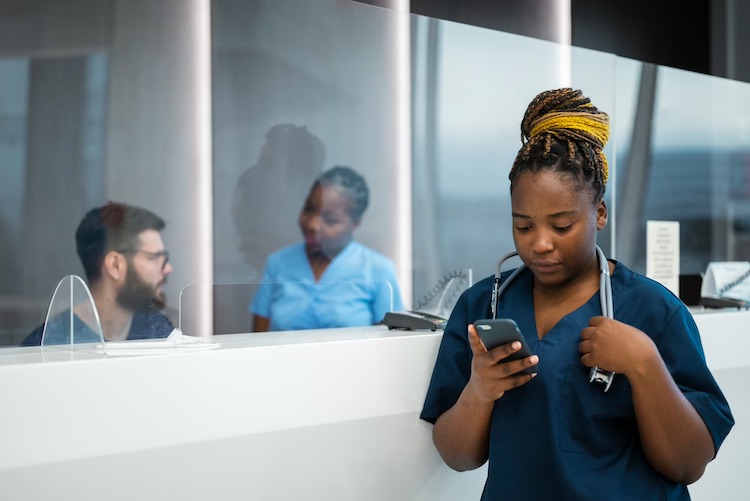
605	298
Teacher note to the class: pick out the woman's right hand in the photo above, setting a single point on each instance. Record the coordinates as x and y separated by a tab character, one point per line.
462	433
491	377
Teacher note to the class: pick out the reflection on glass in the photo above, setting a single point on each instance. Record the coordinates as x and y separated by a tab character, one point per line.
273	188
691	167
466	136
52	114
86	116
298	87
97	102
679	150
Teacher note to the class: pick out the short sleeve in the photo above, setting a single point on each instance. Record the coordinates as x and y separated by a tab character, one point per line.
261	303
680	347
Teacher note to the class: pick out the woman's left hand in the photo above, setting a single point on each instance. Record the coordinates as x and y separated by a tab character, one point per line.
614	346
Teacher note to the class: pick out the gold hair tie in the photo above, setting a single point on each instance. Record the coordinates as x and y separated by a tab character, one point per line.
587	126
590	127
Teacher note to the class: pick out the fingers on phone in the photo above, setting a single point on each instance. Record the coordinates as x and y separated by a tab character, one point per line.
517	366
503	351
475	342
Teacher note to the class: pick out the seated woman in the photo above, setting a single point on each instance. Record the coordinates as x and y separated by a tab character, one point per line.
328	280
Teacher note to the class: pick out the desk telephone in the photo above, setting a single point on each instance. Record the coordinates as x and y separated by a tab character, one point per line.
722	302
439	302
413	320
726	285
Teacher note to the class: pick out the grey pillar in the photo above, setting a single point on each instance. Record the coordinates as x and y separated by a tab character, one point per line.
158	135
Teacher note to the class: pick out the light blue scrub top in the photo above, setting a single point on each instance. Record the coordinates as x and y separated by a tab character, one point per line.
355	290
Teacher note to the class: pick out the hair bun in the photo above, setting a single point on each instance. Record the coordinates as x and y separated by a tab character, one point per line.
567	113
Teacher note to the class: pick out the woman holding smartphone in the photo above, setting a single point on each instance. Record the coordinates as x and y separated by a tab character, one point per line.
553	434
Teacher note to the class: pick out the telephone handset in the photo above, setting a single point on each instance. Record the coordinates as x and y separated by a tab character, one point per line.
413	320
439	302
726	285
722	302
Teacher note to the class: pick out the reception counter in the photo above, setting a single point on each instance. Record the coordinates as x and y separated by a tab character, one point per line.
329	414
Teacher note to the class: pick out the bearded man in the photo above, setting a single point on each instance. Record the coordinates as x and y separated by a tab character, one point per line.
126	267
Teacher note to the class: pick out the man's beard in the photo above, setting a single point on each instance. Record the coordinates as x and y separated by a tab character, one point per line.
137	295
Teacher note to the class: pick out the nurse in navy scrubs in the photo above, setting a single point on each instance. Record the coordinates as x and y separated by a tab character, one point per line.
555	435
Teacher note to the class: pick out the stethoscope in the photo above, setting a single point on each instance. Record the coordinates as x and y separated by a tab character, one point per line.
596	375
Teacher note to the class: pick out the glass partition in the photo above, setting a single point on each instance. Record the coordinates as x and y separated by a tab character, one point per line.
230	305
290	305
52	116
300	87
689	162
72	317
99	101
109	101
471	87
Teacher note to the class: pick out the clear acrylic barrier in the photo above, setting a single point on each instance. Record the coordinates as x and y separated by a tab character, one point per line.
316	305
72	318
73	324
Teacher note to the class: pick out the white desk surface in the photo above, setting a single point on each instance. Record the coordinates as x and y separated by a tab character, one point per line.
334	410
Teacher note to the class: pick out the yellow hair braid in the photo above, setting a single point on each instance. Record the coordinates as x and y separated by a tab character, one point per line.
589	127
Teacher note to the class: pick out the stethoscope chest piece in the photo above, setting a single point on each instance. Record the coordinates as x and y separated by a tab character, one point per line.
597	375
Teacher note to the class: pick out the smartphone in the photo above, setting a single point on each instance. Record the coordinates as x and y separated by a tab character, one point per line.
494	332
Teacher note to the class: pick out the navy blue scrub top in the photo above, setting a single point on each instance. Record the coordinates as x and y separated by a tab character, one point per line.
146	324
559	436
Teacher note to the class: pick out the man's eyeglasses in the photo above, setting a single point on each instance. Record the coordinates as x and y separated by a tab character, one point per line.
153	256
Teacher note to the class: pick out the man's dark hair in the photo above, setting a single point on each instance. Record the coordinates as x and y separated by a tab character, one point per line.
114	226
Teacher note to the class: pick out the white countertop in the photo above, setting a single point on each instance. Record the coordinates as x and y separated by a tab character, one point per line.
336	410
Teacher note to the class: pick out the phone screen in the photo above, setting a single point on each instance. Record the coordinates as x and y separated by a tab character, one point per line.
499	331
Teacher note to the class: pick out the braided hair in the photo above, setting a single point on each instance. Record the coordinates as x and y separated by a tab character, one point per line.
562	131
352	183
